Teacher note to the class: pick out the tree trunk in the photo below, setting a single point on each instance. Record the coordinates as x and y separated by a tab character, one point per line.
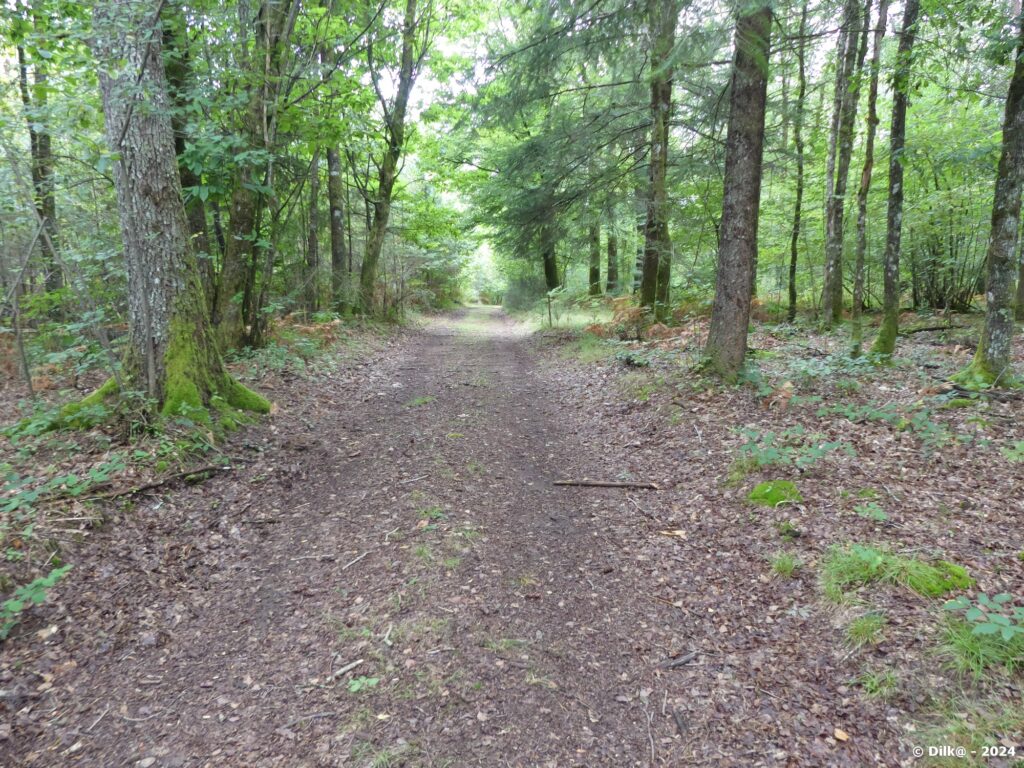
547	252
612	275
661	16
730	315
865	179
595	259
339	246
798	138
1019	311
171	352
34	101
179	79
885	342
992	361
394	128
234	308
311	282
847	91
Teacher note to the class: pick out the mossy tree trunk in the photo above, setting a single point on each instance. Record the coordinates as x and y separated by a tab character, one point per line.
991	365
311	279
171	353
662	16
885	342
547	253
865	180
744	147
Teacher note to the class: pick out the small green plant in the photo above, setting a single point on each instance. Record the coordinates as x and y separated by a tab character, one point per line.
362	683
991	633
879	683
784	565
33	593
871	510
1015	452
434	513
866	630
846	568
772	493
787	530
416	402
791	447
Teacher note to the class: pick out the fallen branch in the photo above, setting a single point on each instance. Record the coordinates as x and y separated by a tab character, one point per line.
922	329
156	483
678	661
609	484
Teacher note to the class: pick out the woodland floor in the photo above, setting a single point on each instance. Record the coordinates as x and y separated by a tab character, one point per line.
388	576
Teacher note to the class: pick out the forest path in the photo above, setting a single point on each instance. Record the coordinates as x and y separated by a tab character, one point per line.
392	580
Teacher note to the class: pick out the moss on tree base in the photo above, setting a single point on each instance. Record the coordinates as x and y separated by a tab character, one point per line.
978	376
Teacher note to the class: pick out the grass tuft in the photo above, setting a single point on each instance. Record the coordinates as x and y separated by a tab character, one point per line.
846	568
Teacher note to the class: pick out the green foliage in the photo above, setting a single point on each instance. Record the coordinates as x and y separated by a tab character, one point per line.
879	684
791	447
33	593
362	683
771	493
1015	452
784	565
871	510
856	565
866	629
416	402
996	615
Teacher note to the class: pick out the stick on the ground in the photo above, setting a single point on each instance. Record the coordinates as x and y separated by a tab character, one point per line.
609	484
678	661
158	483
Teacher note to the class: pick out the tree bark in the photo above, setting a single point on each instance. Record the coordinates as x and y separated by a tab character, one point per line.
595	259
885	342
847	91
661	16
798	138
171	353
730	315
339	246
178	70
34	99
394	129
865	180
992	361
612	273
311	282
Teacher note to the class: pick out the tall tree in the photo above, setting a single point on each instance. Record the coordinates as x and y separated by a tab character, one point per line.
737	246
662	16
410	61
594	236
865	179
33	82
311	279
885	341
853	36
171	353
612	271
339	246
798	140
991	364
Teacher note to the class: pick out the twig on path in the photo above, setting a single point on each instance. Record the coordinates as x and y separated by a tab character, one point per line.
412	479
347	668
97	720
680	723
677	661
609	484
353	562
650	734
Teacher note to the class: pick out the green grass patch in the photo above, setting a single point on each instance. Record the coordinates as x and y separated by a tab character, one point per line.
976	654
416	402
879	683
866	630
784	565
588	348
847	568
771	493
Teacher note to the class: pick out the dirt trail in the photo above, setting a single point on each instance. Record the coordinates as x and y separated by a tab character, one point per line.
392	579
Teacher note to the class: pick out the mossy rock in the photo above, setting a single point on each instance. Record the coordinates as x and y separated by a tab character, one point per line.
774	492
